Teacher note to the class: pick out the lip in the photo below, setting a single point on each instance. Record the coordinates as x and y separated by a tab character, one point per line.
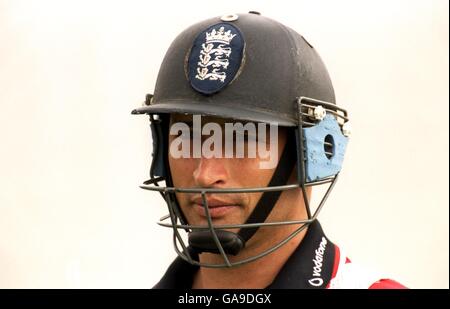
217	208
214	211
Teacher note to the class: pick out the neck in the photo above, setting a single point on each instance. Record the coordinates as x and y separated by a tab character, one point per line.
254	275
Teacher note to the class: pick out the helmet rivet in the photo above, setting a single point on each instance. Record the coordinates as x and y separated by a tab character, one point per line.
229	17
148	99
319	112
346	129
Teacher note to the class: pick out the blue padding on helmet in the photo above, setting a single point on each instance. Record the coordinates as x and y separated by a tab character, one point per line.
318	166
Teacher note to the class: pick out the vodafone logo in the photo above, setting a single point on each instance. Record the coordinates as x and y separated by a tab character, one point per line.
318	262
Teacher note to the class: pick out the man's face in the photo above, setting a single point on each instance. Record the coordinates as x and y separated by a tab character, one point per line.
220	172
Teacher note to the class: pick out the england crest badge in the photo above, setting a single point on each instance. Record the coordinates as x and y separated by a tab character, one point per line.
215	58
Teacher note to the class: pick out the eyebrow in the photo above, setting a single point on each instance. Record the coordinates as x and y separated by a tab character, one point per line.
189	121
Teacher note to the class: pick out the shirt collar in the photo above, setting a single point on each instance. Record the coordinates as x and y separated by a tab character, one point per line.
309	267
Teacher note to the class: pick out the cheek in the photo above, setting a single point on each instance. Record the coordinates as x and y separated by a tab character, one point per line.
247	173
182	171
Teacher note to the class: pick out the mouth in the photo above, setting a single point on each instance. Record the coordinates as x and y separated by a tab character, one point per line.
216	208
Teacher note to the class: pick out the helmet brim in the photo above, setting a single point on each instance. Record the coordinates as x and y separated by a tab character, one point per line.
230	111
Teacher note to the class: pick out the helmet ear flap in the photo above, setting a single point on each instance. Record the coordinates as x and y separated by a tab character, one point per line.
159	128
324	149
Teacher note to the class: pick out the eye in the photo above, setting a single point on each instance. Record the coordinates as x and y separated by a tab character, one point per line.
183	129
250	138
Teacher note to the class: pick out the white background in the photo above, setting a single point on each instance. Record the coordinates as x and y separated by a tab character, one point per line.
72	156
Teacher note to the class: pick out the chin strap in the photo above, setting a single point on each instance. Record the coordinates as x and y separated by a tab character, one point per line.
233	243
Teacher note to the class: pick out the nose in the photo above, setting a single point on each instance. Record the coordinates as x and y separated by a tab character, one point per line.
210	173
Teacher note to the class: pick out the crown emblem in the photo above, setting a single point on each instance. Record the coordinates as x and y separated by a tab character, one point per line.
219	36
